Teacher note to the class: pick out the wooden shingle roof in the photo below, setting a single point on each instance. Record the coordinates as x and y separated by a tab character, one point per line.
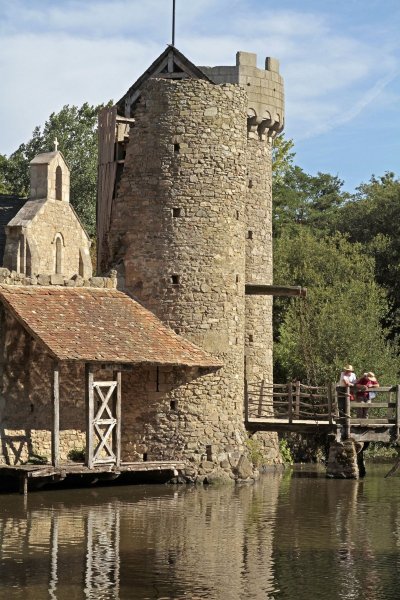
99	325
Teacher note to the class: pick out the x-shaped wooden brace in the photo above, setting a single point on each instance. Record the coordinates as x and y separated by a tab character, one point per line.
103	436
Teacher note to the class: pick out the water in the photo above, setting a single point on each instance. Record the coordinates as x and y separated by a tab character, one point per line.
294	536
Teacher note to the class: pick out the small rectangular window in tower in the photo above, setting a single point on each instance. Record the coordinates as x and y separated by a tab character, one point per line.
251	338
237	215
237	278
174	404
175	279
177	148
249	235
176	212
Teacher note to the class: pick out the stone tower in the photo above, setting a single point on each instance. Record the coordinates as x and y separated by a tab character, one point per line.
189	225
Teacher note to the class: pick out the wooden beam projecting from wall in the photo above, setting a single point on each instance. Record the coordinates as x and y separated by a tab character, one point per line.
258	289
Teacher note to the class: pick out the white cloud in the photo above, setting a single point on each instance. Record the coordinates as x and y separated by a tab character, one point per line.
53	54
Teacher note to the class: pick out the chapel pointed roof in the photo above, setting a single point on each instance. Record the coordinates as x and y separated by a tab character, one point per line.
171	64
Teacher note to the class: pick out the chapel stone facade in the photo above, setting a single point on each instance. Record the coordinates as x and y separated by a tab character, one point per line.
45	236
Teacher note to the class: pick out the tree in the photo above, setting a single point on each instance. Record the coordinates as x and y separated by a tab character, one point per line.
372	218
340	320
302	199
76	131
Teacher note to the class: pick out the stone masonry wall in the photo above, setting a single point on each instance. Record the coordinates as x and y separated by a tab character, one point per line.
26	401
177	234
41	222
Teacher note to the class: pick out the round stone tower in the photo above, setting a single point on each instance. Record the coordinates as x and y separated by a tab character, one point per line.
178	227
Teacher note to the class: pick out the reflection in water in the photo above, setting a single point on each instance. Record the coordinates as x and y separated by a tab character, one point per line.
284	538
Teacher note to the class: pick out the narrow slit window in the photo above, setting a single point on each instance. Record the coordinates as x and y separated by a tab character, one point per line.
58	183
249	235
251	338
174	404
177	148
175	279
144	456
176	212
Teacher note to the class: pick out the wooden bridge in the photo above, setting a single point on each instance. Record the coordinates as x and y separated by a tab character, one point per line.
306	409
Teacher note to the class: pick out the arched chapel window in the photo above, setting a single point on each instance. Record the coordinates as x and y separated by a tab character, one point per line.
58	255
58	183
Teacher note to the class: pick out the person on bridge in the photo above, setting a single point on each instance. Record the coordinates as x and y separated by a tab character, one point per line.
364	385
348	378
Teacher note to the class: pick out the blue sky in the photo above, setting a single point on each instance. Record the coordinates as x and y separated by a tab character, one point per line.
340	60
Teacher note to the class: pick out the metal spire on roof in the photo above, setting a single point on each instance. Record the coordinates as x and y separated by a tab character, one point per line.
173	22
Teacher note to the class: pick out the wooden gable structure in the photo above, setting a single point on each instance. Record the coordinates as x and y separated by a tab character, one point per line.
114	127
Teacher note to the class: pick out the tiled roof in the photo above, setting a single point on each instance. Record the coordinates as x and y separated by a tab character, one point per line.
99	325
9	206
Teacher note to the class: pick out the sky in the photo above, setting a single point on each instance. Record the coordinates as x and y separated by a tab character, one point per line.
340	60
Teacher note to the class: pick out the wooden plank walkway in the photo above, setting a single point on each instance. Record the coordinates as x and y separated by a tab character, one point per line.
295	407
106	472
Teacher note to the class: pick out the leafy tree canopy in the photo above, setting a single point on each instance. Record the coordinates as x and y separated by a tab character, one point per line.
76	131
340	320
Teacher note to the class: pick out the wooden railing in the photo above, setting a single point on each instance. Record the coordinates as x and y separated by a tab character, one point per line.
383	410
291	402
295	403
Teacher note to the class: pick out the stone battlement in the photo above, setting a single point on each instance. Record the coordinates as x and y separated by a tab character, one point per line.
13	278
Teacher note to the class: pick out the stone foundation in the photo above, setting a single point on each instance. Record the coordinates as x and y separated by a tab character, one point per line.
345	460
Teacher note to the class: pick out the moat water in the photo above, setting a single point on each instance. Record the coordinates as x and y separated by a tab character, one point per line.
292	536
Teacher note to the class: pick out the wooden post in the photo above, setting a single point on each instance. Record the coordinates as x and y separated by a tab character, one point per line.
290	401
23	484
297	408
89	414
397	411
347	414
117	378
55	433
329	390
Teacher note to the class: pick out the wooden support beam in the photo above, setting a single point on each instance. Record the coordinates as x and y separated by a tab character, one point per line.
23	484
89	414
258	289
55	432
117	451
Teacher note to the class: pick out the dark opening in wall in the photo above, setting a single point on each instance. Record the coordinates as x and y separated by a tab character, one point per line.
177	148
249	235
251	338
237	278
237	215
176	212
144	456
250	183
175	279
174	404
209	452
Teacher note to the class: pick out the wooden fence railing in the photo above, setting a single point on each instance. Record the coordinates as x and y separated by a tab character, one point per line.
295	402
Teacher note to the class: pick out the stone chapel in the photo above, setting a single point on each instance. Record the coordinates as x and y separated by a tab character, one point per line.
43	234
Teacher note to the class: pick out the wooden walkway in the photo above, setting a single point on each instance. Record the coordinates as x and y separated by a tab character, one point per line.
40	475
306	409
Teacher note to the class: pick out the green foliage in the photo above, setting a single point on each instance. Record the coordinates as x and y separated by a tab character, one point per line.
255	450
340	320
282	157
36	459
372	218
77	455
285	452
302	199
76	130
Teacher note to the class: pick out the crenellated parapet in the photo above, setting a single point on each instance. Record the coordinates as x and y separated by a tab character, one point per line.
265	92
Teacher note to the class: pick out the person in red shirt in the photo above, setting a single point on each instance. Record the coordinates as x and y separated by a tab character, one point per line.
364	393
